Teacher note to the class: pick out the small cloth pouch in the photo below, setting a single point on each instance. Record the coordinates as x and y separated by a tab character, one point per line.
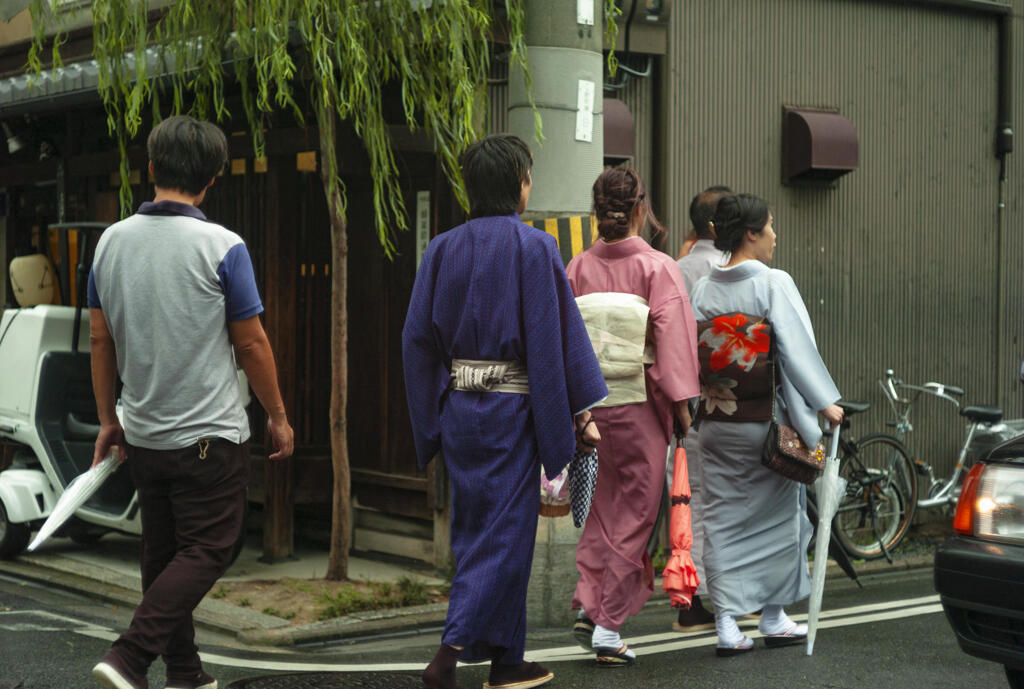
582	484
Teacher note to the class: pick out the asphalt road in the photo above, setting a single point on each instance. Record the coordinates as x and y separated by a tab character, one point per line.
891	634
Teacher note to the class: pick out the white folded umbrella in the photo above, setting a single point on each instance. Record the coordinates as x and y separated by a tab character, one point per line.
83	487
827	489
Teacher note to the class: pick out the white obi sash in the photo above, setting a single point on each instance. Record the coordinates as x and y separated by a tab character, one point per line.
617	325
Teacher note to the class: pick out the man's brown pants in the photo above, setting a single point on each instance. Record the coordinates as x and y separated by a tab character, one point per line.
193	505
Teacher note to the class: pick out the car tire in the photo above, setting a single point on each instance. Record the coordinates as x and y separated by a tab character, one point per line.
13	537
1015	676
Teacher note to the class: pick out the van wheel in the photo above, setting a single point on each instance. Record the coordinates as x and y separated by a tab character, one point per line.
1015	676
13	537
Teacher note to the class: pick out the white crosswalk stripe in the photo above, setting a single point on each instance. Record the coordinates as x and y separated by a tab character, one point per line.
650	644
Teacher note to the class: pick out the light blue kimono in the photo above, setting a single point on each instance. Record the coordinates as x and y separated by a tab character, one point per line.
756	529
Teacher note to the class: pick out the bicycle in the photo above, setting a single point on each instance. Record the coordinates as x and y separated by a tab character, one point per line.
944	491
876	509
882	490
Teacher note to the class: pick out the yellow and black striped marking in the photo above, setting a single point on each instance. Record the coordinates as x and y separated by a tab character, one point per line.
569	234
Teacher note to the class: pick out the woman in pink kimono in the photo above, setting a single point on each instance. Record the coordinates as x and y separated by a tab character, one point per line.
635	421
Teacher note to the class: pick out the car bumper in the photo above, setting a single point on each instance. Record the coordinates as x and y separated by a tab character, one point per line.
981	585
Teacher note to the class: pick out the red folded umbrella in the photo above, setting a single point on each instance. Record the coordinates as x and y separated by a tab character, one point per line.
680	576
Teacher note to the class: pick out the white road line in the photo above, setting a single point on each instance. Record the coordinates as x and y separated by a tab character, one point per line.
824	624
830	619
57	623
825	614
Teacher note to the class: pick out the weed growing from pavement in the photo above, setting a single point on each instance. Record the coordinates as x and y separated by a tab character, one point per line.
302	601
350	598
412	591
299	585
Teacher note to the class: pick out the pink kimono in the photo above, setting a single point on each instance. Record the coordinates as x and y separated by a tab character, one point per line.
616	576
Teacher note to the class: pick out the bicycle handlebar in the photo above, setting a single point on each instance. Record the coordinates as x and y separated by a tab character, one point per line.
941	387
940	390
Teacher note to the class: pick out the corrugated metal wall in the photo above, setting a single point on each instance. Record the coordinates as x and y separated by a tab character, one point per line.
898	262
638	95
1011	251
497	95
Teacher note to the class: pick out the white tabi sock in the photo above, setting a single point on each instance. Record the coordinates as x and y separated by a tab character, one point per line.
729	634
774	620
606	638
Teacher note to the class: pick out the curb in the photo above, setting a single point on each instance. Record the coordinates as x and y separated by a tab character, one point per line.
406	621
212	615
257	629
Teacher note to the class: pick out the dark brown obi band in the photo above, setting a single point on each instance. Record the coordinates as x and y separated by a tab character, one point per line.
736	354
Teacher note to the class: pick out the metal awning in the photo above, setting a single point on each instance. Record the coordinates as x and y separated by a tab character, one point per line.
818	145
618	130
54	87
48	85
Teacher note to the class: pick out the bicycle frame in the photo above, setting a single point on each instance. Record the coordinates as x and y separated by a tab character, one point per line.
891	386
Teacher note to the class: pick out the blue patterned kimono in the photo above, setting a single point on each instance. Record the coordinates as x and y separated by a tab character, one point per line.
495	289
755	526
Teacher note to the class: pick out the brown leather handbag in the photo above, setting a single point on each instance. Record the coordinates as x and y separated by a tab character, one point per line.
786	453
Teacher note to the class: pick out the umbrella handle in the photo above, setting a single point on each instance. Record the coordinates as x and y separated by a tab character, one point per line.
834	445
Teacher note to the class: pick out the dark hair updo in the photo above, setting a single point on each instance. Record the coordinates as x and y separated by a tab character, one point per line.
734	215
617	192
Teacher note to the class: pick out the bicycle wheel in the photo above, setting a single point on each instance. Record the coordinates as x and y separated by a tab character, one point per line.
881	493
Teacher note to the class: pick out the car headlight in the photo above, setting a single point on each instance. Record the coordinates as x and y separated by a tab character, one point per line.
999	504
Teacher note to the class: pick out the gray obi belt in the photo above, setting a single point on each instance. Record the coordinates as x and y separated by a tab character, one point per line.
489	376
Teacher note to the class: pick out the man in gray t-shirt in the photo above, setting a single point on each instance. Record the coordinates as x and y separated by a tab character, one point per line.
703	256
172	305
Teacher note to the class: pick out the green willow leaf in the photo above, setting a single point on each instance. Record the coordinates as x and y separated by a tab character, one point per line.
344	56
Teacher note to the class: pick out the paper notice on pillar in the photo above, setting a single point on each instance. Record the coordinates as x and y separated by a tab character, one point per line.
585	12
585	111
422	224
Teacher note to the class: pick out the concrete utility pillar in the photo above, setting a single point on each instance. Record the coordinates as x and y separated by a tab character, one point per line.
564	41
566	65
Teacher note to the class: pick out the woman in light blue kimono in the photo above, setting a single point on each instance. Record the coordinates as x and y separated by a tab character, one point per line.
756	530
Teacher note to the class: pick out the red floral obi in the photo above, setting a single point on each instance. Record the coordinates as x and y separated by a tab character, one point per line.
736	368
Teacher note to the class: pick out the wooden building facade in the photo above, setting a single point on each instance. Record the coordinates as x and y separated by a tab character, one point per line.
65	168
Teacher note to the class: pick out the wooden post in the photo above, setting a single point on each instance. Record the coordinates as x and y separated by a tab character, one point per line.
280	278
437	497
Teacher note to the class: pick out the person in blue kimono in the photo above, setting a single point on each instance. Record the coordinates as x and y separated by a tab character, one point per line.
498	370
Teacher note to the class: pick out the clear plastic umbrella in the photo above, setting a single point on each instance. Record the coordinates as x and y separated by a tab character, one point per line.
828	488
75	495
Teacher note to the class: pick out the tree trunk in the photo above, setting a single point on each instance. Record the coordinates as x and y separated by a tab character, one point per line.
341	511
